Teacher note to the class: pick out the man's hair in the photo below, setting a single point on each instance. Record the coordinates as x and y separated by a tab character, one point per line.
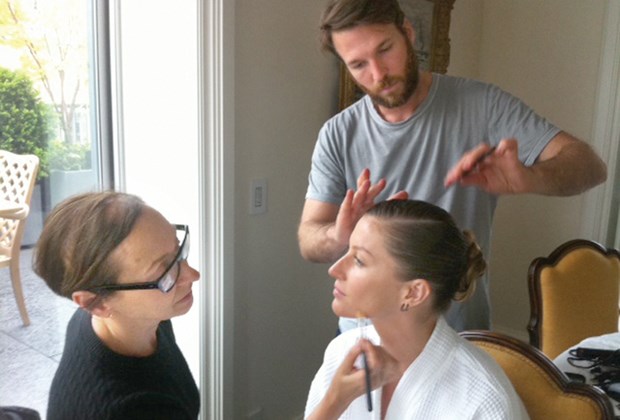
346	14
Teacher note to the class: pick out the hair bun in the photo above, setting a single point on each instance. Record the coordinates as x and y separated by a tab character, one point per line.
476	266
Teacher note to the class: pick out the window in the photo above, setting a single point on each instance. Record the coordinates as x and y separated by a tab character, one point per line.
55	102
52	48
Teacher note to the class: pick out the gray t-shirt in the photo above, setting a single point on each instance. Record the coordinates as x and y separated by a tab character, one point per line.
415	155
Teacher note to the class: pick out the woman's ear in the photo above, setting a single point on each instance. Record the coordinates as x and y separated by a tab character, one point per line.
418	292
91	302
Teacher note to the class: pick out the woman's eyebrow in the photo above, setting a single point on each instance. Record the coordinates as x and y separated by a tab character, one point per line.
361	248
165	258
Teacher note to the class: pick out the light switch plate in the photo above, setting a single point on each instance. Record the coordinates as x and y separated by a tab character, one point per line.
258	196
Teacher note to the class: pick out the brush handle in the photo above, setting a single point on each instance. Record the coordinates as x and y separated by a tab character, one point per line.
368	389
479	161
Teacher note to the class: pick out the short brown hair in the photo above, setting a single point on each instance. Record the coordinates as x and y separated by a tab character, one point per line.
78	237
346	14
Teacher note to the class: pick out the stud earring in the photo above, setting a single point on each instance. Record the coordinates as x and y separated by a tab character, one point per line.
404	307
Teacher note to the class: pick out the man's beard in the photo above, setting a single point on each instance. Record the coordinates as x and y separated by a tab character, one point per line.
410	82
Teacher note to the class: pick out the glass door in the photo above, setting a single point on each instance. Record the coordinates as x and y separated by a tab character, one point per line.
50	97
55	104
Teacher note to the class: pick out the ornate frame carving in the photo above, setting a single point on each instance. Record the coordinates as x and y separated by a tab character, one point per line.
431	20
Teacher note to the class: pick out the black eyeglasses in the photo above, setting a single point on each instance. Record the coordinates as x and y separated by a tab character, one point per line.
166	282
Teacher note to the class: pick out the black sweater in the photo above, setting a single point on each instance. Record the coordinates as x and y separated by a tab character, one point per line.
93	382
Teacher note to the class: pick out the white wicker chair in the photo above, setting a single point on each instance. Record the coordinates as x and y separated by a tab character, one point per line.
18	174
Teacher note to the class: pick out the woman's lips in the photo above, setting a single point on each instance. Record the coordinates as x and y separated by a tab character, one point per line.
188	297
338	293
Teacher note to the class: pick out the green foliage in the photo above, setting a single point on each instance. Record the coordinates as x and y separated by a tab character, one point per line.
68	157
24	119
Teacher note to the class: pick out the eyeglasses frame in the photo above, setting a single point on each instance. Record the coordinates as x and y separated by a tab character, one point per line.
155	283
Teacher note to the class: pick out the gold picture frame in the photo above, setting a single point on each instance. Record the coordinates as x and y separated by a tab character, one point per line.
431	22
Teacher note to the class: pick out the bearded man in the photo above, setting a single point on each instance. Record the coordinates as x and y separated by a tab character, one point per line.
454	142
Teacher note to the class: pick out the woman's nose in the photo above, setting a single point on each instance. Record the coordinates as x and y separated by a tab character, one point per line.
336	269
188	273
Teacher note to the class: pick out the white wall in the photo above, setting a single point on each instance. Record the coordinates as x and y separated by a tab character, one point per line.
552	62
547	53
285	88
465	38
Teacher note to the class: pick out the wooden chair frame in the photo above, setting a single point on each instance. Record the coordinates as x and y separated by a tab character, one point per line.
18	175
490	341
535	323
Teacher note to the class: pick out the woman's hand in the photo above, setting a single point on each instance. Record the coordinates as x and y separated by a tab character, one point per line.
384	369
349	381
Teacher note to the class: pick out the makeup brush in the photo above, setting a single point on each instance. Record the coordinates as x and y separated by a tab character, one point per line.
479	161
361	323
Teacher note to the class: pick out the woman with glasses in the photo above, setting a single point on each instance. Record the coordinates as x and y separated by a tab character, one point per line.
126	268
406	262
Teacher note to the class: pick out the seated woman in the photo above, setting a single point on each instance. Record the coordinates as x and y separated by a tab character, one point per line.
406	262
126	267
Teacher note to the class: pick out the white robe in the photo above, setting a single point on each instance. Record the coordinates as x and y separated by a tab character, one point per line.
450	379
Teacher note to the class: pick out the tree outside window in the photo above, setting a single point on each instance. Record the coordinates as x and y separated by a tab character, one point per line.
45	41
